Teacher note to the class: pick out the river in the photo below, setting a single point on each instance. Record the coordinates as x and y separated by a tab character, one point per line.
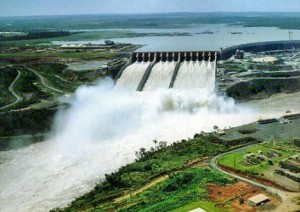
105	126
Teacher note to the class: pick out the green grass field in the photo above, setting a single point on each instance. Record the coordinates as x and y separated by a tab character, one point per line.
60	55
179	190
82	36
236	160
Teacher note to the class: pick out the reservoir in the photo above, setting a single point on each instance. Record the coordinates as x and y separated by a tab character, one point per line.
210	37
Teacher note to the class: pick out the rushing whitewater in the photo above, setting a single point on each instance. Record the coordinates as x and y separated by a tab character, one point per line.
101	131
160	76
196	74
132	75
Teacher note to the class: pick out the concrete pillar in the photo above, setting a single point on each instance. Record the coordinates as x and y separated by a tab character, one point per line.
143	57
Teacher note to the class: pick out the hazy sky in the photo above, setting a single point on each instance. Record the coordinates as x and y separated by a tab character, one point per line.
61	7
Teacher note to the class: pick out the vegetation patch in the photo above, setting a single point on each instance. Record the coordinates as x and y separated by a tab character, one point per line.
262	88
35	35
26	122
179	190
258	160
184	186
247	130
7	76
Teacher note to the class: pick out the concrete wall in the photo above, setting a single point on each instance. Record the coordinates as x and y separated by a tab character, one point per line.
260	47
173	56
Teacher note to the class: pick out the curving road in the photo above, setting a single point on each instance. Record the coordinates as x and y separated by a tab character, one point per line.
12	90
285	196
213	164
42	79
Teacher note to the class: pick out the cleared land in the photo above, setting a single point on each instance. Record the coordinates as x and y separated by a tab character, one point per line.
261	161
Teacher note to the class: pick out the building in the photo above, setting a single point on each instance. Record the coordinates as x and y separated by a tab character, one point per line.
239	54
258	200
109	42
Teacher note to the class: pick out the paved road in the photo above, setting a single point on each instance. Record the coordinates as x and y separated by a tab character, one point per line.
12	90
42	79
235	78
286	197
213	164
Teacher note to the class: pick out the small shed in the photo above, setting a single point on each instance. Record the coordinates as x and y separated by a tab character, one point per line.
258	200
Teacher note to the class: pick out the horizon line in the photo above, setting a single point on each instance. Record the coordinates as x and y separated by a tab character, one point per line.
150	13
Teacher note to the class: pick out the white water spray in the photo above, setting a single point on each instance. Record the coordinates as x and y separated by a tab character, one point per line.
196	74
132	75
101	130
160	76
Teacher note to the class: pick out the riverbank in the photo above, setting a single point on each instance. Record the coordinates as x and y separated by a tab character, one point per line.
101	199
37	83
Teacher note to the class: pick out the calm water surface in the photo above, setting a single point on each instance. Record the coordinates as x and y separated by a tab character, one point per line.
223	36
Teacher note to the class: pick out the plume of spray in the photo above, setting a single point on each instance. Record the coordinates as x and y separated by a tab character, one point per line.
100	132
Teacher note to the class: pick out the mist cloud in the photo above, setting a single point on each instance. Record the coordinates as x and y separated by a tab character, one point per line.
101	131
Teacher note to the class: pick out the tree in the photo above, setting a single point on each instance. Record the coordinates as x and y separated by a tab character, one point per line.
162	144
216	127
141	153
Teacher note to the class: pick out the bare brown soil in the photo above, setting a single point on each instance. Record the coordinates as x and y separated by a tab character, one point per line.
228	197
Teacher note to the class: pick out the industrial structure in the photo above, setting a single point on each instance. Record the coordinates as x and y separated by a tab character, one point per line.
289	45
187	67
173	56
209	57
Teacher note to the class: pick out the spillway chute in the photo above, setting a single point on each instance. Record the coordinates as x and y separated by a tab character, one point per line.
179	70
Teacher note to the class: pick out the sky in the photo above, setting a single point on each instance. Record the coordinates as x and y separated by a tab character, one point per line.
67	7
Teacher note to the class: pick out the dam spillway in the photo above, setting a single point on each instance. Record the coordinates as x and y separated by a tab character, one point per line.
179	70
195	74
160	76
133	74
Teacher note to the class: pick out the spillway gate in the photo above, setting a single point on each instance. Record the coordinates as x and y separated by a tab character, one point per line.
150	70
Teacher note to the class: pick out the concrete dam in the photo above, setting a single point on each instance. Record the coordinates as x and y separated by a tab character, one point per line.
268	46
147	71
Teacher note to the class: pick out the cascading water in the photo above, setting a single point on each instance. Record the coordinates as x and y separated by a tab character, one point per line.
196	74
132	75
103	128
161	75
